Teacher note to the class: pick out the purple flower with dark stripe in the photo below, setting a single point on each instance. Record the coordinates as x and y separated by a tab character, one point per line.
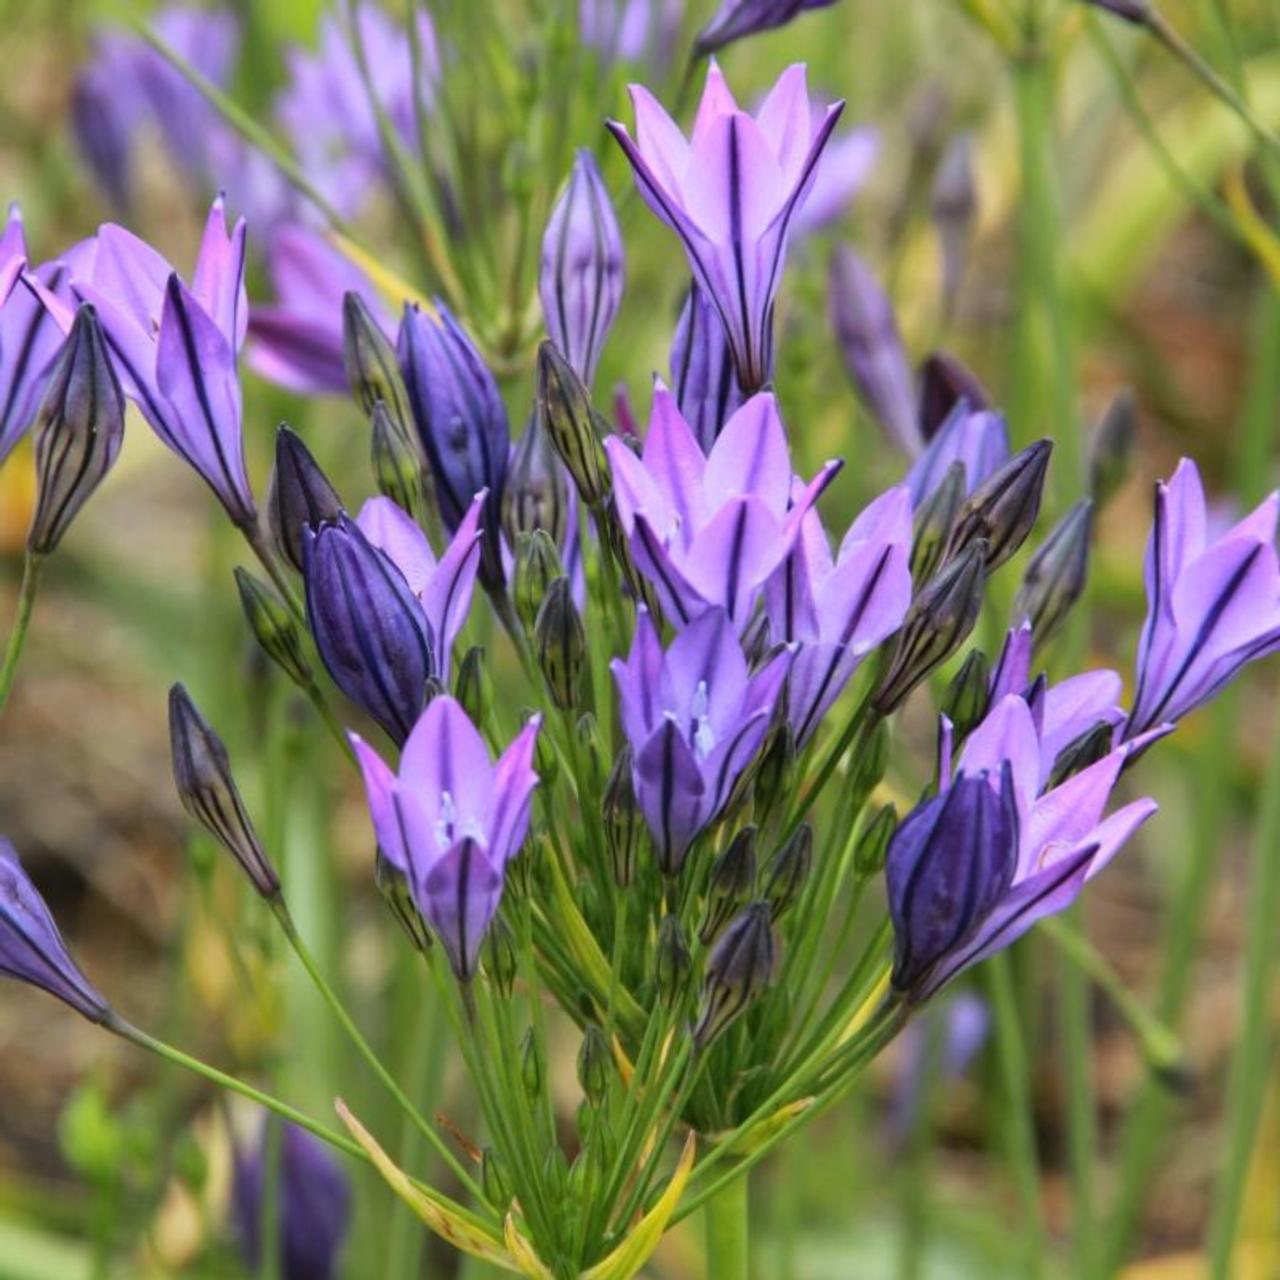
703	377
708	530
730	193
31	948
450	820
979	439
836	610
695	717
1213	604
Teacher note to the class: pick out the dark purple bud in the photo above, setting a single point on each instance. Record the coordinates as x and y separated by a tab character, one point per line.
537	493
934	520
560	643
373	370
1136	11
939	619
573	426
949	863
301	496
672	960
274	627
623	821
969	694
874	356
1056	574
1086	749
31	948
788	869
369	627
731	884
582	272
1001	510
740	967
313	1199
945	382
207	788
79	428
703	376
1111	447
737	18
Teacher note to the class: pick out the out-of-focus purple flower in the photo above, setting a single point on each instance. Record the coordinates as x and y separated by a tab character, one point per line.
730	193
954	205
581	279
1135	11
461	421
703	376
708	530
874	355
842	173
451	820
835	611
978	439
695	718
631	30
737	18
1213	606
326	112
31	948
297	340
314	1199
175	347
945	381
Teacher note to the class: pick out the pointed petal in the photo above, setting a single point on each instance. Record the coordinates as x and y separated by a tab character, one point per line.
673	457
1007	733
704	674
670	791
459	897
380	789
751	457
393	531
659	140
514	780
446	594
218	280
445	754
733	555
786	121
637	680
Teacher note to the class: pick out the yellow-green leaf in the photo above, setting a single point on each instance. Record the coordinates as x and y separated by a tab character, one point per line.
526	1257
394	290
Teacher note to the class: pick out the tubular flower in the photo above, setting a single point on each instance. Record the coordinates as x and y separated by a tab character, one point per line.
450	820
979	440
695	717
1212	607
710	530
730	193
836	610
702	373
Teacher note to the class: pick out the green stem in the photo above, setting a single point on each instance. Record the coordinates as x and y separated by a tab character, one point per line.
267	557
31	566
1082	1120
727	1222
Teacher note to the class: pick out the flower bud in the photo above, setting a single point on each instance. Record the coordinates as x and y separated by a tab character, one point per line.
739	968
869	762
954	204
935	518
546	762
537	492
538	565
935	626
560	643
945	381
472	686
1002	509
732	882
672	961
623	822
495	1180
393	885
531	1073
774	772
1086	749
208	791
1136	11
79	427
301	496
703	377
371	364
397	466
500	957
274	627
788	869
869	852
581	277
969	693
1056	574
595	1065
1111	447
573	426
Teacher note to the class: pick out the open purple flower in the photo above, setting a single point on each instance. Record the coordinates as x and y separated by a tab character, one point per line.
695	717
836	610
1213	606
709	530
730	193
450	820
979	439
31	948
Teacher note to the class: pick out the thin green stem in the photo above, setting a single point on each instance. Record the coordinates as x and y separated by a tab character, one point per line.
728	1233
267	557
1082	1121
31	566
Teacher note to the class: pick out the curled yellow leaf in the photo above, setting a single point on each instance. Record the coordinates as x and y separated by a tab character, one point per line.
394	290
524	1254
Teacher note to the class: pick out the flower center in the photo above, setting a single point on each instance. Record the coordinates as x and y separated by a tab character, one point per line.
704	738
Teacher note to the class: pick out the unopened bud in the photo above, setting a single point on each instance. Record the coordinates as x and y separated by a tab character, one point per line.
79	427
969	693
935	626
472	686
397	466
672	961
573	426
538	565
595	1065
873	843
788	870
495	1180
1111	447
301	496
1090	747
1136	11
370	361
560	643
732	882
739	968
945	381
500	957
274	627
623	821
393	885
934	519
869	762
546	762
536	491
777	763
1056	574
531	1073
1002	509
208	791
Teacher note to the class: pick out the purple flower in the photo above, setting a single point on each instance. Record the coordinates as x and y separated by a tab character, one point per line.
175	347
978	439
730	193
842	172
631	30
835	611
695	717
314	1199
1213	603
737	18
702	372
297	340
581	279
31	948
709	530
450	821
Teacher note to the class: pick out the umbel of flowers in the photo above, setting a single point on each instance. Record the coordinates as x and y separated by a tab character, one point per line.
665	842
